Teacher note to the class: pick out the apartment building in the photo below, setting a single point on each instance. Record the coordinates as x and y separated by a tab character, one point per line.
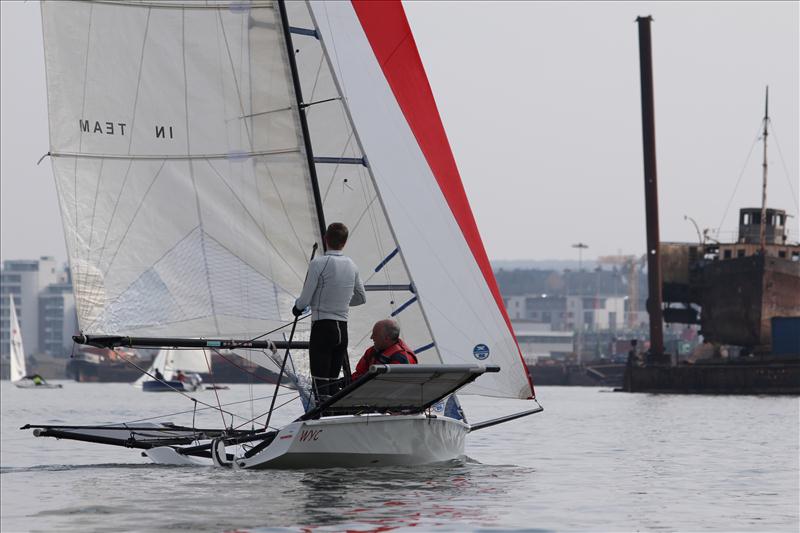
44	304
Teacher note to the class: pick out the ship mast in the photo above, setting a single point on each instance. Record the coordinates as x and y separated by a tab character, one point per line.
763	226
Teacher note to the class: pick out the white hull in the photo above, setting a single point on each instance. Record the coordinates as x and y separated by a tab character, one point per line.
368	440
29	384
351	441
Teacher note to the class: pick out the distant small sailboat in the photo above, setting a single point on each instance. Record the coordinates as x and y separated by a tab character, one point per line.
18	365
175	371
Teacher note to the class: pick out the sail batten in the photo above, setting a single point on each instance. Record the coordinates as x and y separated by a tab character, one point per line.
188	4
239	155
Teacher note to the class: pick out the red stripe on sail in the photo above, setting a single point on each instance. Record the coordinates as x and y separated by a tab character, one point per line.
387	30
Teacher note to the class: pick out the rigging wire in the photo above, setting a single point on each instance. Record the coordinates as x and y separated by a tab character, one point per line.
250	387
216	392
265	413
244	343
785	170
291	336
127	360
739	180
194	414
207	406
149	418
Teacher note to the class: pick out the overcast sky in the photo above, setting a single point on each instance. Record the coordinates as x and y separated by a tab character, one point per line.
541	103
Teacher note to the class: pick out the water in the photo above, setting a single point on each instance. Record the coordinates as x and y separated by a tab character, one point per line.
592	461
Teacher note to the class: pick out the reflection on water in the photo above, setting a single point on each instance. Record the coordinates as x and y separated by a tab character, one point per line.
391	497
591	461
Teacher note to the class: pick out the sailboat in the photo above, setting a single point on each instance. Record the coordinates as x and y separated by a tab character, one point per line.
198	151
179	370
19	374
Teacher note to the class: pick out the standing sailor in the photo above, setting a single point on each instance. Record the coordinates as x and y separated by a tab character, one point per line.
332	286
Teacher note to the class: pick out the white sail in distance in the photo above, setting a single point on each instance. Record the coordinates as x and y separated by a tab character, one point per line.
158	364
17	352
168	361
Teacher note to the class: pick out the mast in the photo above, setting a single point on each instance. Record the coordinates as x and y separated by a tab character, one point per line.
312	169
650	190
763	225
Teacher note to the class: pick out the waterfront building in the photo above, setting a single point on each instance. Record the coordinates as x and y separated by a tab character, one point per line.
44	304
515	307
536	340
599	300
58	321
570	313
596	313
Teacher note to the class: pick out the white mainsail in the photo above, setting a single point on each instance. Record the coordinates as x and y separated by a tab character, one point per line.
180	166
186	190
17	353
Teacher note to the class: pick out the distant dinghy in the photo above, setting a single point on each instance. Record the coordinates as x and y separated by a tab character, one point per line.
18	366
178	370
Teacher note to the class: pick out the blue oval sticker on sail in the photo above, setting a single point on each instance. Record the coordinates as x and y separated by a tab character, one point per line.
481	352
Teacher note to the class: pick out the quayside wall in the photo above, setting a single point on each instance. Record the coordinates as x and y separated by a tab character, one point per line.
746	377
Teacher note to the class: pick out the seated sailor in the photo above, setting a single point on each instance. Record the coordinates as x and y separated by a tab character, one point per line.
387	348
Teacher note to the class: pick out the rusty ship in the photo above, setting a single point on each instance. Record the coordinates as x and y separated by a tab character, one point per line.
734	290
744	294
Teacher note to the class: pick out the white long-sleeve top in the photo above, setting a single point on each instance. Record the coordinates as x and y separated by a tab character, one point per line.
332	287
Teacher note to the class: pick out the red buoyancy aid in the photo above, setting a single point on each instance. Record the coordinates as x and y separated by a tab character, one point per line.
397	354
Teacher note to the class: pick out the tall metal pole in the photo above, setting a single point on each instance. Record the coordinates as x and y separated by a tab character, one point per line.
763	230
650	191
312	169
